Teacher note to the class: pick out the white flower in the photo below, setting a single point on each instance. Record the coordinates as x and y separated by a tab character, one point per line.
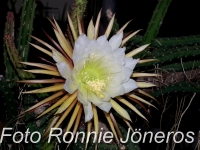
92	72
101	71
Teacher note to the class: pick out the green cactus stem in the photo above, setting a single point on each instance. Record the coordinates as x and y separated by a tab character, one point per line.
193	51
11	51
169	55
14	70
15	59
176	41
10	72
156	20
9	99
178	67
160	52
78	8
177	87
169	42
26	27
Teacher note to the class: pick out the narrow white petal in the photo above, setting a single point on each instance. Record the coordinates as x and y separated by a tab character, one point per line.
102	60
130	85
119	53
109	66
126	73
105	106
116	40
102	41
69	86
130	62
82	95
93	45
80	47
79	63
82	40
64	70
88	112
116	67
116	79
92	97
78	50
115	91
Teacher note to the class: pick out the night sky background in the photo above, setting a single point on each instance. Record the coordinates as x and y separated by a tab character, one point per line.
182	19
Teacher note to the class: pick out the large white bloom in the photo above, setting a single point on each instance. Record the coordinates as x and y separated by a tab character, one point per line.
89	74
101	71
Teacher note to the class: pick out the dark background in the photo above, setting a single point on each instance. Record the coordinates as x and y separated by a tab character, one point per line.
182	18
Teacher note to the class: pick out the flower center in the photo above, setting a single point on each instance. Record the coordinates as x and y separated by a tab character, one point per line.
91	79
96	86
94	75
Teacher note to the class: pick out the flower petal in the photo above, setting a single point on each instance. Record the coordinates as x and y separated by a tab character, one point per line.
102	41
119	54
79	63
58	57
93	46
82	40
78	50
88	112
69	86
130	85
116	40
116	79
64	70
82	95
126	73
92	97
106	97
115	91
80	47
105	106
131	63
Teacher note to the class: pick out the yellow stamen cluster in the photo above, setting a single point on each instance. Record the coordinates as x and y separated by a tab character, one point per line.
97	86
